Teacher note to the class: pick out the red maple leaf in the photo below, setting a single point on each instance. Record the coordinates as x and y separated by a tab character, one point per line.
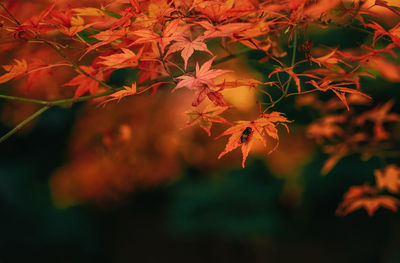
85	83
35	25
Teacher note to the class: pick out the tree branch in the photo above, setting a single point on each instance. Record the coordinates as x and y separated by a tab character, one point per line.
23	123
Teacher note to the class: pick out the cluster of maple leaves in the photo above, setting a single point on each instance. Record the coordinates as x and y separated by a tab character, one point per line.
170	43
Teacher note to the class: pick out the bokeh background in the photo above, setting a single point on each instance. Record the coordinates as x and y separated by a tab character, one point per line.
124	182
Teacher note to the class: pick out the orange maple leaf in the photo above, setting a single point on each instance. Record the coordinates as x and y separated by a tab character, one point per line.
86	83
245	132
364	196
169	33
388	179
105	37
337	88
206	117
122	60
393	33
227	30
20	67
329	59
187	47
67	23
127	91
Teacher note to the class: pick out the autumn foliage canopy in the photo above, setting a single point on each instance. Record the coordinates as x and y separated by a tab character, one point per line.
148	70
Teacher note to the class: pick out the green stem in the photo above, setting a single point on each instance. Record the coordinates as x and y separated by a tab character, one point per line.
293	58
42	102
24	122
83	98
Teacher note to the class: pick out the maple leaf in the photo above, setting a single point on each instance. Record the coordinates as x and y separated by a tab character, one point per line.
393	33
290	72
245	132
328	59
126	91
337	74
327	128
20	67
228	30
203	76
214	10
85	83
67	23
385	4
364	196
88	11
337	88
125	59
149	36
187	47
379	115
34	24
389	178
206	117
37	70
105	37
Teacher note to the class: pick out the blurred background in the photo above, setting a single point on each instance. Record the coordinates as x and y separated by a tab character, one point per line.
125	182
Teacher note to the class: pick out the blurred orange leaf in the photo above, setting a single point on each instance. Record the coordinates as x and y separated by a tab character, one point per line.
365	197
388	179
20	67
206	117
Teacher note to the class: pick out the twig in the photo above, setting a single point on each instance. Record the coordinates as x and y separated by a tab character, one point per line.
42	102
12	17
24	122
285	91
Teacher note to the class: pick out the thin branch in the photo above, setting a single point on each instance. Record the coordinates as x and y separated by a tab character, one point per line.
42	102
83	98
11	15
23	123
